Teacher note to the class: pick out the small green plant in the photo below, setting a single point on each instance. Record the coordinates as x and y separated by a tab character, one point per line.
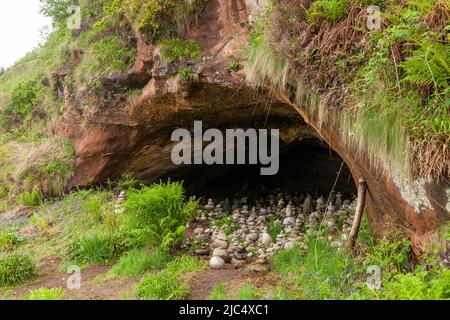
289	261
391	255
139	261
172	283
234	66
111	219
228	225
30	199
274	228
447	232
45	294
330	10
40	223
92	206
247	292
185	74
98	248
219	292
24	97
162	286
16	269
176	49
186	264
127	181
9	239
420	285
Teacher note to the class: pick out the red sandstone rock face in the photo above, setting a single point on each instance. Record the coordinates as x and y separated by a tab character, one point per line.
133	134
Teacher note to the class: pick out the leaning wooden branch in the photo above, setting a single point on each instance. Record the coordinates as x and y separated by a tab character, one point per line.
358	213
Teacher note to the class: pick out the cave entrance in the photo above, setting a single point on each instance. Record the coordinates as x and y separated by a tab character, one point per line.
307	166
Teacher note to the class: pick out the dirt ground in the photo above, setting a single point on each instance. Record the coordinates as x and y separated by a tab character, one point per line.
233	280
51	276
96	285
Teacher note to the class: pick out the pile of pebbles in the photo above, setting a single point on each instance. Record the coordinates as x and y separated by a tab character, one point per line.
238	233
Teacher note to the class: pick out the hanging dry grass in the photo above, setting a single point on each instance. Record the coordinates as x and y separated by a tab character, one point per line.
321	46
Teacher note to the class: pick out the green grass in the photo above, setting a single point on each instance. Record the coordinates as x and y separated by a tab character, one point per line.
45	168
171	283
39	62
16	269
158	213
225	221
274	228
219	292
103	57
176	49
320	273
98	248
138	261
30	199
45	294
420	285
162	286
10	239
263	66
248	292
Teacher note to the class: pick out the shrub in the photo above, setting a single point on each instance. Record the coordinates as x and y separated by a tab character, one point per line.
219	292
420	285
16	269
56	9
330	10
45	294
92	206
30	199
99	248
158	213
321	273
139	261
176	49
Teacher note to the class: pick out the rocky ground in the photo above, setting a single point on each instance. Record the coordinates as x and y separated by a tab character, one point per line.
256	230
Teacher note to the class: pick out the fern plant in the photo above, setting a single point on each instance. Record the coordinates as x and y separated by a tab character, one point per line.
429	65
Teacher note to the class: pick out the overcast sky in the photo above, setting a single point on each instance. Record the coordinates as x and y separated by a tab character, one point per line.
20	25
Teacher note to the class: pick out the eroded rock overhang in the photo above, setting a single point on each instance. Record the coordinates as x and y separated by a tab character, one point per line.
133	135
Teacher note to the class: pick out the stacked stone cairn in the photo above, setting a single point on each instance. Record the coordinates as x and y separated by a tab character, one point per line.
246	240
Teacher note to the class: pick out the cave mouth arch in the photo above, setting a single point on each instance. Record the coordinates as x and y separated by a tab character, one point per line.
307	166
